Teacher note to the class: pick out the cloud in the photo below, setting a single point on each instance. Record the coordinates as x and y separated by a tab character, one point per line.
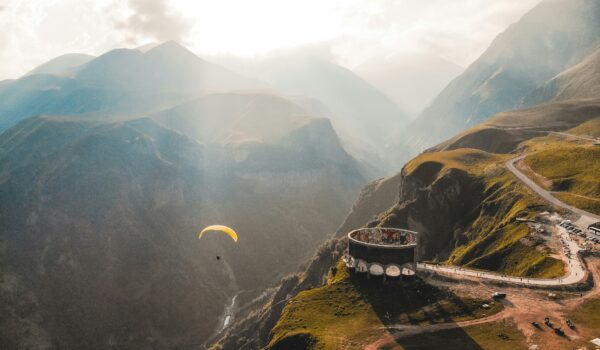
349	31
153	20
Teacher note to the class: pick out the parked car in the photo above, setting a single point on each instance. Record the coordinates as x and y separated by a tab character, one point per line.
498	295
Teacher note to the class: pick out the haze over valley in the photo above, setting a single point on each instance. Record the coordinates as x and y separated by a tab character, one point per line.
387	175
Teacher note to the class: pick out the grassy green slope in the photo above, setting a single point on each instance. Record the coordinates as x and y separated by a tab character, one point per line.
571	168
589	128
497	336
350	312
495	240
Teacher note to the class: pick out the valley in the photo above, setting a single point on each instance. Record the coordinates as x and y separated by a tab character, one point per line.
374	175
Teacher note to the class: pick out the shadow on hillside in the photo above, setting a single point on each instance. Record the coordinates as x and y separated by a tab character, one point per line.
402	306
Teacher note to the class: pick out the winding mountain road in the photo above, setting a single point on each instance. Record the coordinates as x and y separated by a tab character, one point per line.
576	270
573	136
546	195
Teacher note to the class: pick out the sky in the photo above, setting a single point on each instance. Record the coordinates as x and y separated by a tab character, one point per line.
351	31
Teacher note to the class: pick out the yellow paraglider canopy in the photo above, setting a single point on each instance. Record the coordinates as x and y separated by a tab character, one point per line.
221	228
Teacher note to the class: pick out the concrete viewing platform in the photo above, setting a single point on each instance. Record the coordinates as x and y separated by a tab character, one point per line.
382	251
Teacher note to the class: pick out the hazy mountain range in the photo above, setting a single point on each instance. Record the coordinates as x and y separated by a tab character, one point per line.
134	152
101	218
118	83
110	165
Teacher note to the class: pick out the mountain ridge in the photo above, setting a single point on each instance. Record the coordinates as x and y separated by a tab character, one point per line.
101	216
510	69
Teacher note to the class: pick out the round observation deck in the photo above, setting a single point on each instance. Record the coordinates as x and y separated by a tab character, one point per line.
383	251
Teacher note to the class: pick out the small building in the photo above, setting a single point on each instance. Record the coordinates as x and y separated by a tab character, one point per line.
380	251
594	228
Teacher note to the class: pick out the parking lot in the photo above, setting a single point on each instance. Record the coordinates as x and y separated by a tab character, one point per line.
587	239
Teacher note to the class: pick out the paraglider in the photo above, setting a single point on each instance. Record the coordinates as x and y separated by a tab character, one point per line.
227	230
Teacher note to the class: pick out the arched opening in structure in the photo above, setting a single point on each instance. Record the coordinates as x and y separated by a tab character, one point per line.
376	269
361	266
392	270
408	270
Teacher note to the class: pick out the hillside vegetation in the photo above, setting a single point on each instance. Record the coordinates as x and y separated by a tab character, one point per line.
502	335
349	311
589	128
568	167
492	240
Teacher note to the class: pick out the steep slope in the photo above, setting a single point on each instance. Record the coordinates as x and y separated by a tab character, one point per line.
99	220
579	82
374	198
562	32
411	80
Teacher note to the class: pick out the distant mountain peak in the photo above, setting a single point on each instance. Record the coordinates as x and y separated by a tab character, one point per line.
170	47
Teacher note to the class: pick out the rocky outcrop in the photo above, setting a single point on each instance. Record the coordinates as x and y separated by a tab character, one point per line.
436	205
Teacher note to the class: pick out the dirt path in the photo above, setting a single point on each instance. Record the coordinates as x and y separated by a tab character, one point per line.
402	331
522	306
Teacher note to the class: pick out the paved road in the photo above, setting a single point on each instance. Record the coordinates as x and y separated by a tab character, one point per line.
546	195
574	136
575	269
537	129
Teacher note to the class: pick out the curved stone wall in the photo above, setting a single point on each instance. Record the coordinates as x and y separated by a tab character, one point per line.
382	251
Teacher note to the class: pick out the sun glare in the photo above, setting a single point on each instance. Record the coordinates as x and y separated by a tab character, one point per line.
255	27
